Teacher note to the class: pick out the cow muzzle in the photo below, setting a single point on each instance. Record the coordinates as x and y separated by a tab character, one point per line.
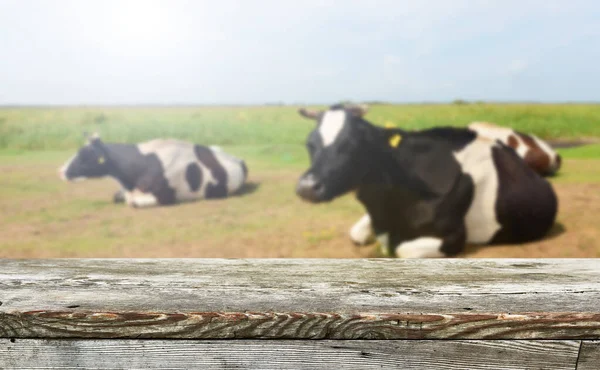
62	173
310	189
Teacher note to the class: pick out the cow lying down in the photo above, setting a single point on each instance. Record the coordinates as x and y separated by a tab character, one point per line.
534	151
159	172
427	193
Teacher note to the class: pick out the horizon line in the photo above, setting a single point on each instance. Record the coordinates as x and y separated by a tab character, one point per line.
284	104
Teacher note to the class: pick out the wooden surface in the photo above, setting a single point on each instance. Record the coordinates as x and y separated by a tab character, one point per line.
301	299
256	354
589	356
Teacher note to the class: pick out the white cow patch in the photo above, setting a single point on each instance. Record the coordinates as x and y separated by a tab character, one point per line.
65	167
424	247
138	199
492	132
476	161
207	179
235	173
331	125
522	149
176	155
361	233
543	145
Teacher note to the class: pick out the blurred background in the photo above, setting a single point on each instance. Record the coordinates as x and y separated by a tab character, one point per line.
233	73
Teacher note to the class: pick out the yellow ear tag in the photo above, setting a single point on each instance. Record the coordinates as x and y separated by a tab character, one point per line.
389	124
101	160
395	140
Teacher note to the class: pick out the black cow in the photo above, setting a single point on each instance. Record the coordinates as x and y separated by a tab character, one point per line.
159	172
427	193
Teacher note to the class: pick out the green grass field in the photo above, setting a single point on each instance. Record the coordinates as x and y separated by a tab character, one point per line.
40	216
59	128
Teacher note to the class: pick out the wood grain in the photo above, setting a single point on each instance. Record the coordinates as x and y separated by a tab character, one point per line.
342	286
300	299
255	354
589	356
298	325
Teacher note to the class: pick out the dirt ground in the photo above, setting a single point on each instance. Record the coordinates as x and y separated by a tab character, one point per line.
41	217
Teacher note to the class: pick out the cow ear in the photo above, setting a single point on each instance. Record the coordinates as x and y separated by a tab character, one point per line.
357	110
100	149
96	143
90	138
310	114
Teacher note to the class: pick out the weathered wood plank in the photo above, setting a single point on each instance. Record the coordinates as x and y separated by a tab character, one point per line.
253	354
302	299
297	325
279	285
589	356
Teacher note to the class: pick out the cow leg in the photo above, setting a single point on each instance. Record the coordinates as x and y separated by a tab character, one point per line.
138	199
384	245
362	232
423	247
433	247
119	196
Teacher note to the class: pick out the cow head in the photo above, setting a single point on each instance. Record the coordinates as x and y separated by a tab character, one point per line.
337	153
89	162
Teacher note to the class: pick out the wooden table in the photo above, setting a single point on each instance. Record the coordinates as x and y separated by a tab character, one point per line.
300	313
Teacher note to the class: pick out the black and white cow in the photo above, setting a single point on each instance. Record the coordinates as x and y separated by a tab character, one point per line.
159	172
427	193
536	153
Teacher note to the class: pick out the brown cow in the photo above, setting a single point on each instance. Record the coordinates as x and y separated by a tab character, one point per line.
535	152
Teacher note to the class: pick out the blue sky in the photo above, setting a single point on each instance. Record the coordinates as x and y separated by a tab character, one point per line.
257	51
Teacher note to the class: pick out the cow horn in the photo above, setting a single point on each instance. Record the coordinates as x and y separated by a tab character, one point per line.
310	114
357	109
92	138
